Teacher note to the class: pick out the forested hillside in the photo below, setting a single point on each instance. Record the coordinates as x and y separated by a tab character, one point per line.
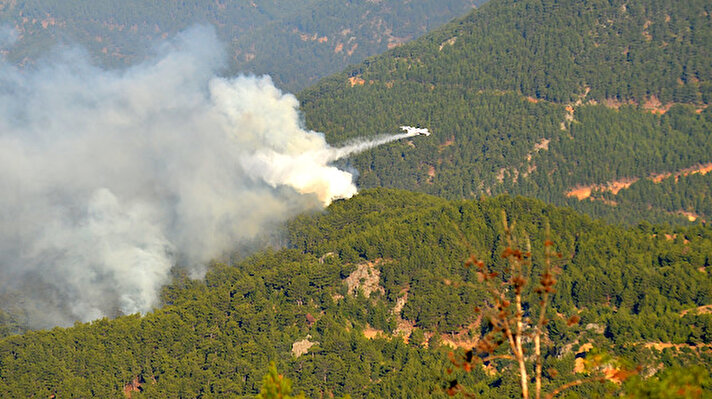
371	296
601	106
543	98
296	42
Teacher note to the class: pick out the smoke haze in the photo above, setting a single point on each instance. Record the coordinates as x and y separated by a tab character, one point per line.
108	178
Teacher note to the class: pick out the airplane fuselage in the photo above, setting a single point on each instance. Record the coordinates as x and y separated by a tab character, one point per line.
416	130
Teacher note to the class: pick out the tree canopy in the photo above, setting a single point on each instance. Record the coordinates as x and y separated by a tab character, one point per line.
216	337
538	98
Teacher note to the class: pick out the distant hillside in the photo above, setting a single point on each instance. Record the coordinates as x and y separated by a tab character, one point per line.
369	300
567	50
297	42
541	98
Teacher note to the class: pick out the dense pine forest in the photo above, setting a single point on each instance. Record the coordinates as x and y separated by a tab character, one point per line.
585	125
538	98
295	42
386	332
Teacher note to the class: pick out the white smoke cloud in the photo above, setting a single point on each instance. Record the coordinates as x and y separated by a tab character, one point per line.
8	37
107	178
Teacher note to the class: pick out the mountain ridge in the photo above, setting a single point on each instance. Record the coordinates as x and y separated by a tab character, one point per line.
215	337
495	86
296	43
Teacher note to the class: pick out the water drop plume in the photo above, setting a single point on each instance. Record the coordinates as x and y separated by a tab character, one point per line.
109	177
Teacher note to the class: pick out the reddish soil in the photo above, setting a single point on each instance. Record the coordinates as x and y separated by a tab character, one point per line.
699	310
371	333
583	192
447	143
355	80
133	386
699	168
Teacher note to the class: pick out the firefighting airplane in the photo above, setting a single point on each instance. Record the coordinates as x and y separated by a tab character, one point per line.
416	130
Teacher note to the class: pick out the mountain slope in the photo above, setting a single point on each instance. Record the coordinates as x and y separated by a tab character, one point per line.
214	338
559	50
536	97
296	42
314	42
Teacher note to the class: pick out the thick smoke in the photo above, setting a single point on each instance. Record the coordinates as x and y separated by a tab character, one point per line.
108	178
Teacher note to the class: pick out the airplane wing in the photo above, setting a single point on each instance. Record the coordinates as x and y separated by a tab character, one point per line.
416	130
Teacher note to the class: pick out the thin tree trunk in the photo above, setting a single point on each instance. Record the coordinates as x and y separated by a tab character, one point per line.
537	353
520	350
